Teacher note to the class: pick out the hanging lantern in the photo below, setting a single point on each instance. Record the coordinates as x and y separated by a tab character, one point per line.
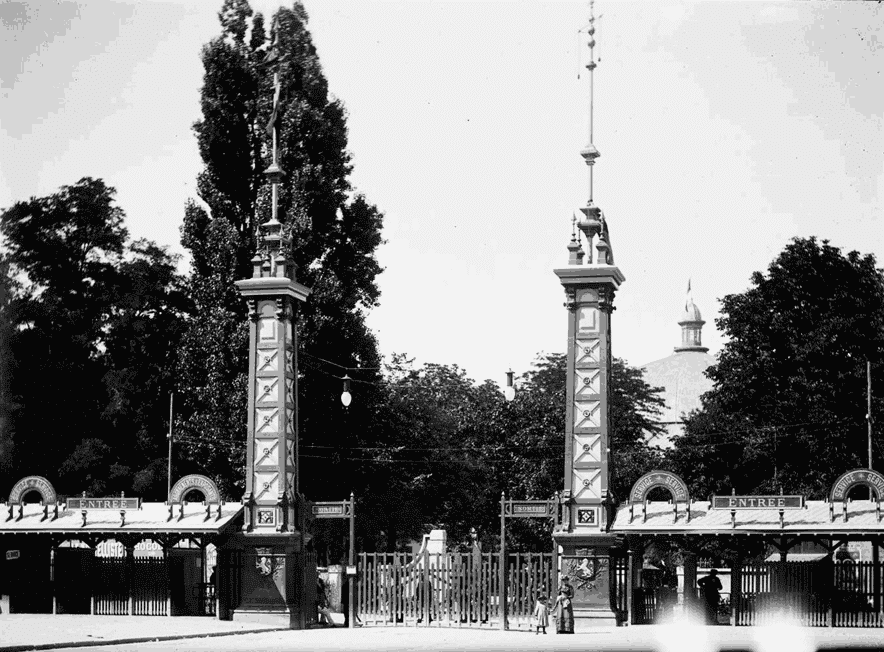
345	395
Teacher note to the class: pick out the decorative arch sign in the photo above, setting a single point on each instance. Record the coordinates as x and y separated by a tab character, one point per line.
190	482
851	479
33	483
675	485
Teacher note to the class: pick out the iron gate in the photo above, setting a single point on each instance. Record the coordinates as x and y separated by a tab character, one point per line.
452	589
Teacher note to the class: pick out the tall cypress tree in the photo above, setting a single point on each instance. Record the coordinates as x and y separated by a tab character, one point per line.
335	235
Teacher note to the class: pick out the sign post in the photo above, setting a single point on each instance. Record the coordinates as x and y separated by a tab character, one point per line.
343	509
518	509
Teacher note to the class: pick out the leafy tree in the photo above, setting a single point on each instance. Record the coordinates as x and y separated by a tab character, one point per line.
335	236
539	421
788	406
451	447
89	332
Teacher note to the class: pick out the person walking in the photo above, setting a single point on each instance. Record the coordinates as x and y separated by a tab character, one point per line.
541	613
710	586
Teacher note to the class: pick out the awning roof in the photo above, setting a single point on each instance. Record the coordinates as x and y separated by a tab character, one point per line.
815	518
152	518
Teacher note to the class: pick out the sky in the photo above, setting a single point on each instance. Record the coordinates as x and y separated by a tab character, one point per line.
725	129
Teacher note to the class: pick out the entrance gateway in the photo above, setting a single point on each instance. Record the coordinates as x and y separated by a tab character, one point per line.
803	581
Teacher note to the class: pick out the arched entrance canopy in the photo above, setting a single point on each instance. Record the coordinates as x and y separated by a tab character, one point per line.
33	483
206	486
857	477
669	481
652	480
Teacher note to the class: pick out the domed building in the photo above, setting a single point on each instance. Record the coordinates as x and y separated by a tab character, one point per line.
681	374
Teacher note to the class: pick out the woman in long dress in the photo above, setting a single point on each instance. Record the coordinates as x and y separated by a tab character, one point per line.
563	609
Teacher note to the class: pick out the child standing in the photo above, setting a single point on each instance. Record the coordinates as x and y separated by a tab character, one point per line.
541	613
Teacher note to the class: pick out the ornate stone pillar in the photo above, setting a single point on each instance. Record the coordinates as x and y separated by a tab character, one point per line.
268	589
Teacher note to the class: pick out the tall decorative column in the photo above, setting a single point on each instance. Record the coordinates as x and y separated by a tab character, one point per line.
268	577
589	286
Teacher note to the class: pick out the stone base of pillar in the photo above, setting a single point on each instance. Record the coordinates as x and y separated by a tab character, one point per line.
282	619
268	586
586	561
591	620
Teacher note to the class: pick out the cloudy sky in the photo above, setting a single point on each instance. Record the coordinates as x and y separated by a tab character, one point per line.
726	128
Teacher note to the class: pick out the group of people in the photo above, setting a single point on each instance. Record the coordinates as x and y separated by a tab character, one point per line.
562	610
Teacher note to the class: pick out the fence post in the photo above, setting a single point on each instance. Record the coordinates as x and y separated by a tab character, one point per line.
426	591
351	579
831	592
501	599
736	589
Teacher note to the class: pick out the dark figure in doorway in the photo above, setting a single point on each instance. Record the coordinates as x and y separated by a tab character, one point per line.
563	609
710	586
324	612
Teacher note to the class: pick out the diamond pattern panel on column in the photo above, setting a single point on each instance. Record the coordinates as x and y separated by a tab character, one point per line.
587	448
266	485
588	351
289	361
267	389
587	484
266	420
290	391
268	360
586	383
290	451
266	452
586	414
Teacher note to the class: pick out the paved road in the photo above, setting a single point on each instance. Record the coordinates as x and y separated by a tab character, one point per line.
656	638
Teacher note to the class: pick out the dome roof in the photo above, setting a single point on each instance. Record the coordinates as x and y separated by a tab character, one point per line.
683	381
691	312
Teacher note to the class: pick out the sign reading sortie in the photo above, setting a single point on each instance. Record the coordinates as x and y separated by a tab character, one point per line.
332	509
654	479
532	509
757	502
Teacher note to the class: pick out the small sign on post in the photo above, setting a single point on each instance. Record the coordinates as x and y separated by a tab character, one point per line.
337	509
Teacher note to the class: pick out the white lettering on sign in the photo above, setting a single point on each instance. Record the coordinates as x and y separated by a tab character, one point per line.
33	483
328	509
659	479
849	480
199	482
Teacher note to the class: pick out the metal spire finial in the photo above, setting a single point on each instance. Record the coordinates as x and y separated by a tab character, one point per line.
590	153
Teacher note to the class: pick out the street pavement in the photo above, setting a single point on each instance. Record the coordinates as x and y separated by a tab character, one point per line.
100	632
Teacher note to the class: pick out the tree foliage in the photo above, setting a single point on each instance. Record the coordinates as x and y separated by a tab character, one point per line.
446	447
789	402
335	235
90	324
